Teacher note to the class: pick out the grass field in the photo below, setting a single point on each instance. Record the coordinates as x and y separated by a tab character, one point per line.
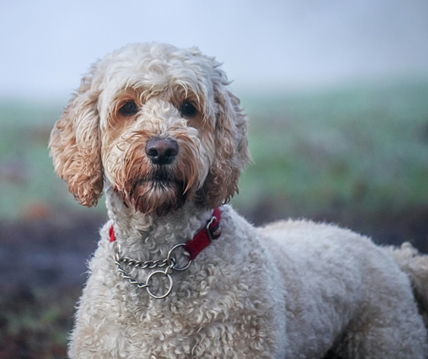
364	148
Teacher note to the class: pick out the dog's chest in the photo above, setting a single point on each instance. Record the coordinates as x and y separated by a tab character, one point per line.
215	309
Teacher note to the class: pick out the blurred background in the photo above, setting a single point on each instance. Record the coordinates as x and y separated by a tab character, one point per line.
337	96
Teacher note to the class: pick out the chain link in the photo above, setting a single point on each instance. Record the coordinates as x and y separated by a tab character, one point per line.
147	264
170	263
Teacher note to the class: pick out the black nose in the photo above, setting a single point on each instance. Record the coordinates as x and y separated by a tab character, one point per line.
161	151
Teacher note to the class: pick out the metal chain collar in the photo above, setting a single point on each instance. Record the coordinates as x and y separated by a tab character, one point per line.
169	263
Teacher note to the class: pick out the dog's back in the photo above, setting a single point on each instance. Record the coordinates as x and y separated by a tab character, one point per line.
341	288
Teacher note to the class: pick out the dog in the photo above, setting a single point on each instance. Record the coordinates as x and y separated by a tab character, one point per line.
177	272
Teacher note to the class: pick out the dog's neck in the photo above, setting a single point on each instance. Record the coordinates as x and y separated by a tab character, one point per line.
149	237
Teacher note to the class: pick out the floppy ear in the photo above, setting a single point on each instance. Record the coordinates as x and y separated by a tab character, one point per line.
231	149
75	144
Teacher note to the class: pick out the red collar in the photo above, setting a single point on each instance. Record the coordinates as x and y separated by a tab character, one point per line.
201	240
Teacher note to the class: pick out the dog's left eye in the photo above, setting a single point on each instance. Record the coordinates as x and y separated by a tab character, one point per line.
187	109
128	109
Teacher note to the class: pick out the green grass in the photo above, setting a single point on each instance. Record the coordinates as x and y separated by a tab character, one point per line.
364	148
27	180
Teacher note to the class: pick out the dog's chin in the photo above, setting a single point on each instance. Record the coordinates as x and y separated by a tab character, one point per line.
157	196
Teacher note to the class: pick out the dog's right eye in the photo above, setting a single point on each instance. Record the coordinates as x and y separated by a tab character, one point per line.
128	109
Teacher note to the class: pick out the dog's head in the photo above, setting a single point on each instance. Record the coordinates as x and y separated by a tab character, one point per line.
158	125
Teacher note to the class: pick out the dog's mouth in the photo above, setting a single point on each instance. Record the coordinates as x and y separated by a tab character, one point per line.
160	179
158	192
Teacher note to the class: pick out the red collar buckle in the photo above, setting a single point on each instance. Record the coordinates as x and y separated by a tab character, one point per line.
204	237
213	227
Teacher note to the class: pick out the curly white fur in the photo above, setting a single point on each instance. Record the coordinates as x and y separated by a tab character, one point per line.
293	289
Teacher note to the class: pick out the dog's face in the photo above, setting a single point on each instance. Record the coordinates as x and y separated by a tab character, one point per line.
158	125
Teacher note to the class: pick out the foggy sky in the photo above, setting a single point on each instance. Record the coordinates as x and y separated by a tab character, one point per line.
46	45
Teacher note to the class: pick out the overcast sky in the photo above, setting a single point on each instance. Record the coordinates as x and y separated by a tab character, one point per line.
46	45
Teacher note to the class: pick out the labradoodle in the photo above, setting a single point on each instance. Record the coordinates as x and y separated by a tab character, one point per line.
178	273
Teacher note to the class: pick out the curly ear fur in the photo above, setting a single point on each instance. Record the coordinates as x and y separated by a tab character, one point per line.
231	149
75	145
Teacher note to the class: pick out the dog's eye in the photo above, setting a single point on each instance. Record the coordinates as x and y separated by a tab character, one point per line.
128	109
187	109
